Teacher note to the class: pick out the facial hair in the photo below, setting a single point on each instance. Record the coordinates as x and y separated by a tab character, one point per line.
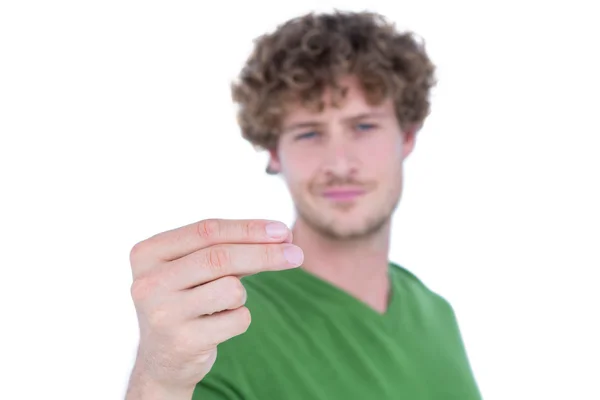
372	224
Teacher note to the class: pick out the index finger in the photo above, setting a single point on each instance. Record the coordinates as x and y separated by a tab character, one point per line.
176	243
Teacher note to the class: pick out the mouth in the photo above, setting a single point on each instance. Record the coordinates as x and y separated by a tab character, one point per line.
343	194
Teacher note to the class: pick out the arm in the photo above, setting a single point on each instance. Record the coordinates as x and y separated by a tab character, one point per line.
142	387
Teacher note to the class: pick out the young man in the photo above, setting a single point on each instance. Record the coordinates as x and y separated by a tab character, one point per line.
337	100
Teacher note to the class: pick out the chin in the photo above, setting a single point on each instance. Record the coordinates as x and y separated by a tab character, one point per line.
345	220
347	227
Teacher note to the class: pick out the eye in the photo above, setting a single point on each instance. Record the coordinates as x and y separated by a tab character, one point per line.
307	135
364	127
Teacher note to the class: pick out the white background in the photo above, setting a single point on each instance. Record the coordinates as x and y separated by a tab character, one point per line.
116	123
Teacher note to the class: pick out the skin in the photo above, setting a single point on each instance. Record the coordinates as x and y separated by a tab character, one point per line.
352	146
186	286
189	298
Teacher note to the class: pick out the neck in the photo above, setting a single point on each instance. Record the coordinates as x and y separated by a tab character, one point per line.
359	266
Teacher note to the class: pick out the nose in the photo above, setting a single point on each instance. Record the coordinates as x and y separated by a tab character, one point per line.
340	158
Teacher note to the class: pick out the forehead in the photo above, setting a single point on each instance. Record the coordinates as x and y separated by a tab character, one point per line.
348	101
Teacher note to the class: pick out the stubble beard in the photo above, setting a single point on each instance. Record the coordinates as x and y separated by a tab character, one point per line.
326	225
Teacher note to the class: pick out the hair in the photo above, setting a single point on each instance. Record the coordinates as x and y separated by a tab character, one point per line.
306	55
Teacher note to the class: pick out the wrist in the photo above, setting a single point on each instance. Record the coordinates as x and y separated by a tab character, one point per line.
142	386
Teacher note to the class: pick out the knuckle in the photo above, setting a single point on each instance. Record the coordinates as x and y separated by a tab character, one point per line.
159	317
208	229
235	290
248	229
135	252
271	253
141	288
244	319
218	258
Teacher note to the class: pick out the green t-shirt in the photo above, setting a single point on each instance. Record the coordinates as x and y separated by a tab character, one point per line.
310	340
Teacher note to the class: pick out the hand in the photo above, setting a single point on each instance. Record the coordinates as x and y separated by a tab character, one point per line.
189	298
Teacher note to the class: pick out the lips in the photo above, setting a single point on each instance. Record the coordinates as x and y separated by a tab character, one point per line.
344	194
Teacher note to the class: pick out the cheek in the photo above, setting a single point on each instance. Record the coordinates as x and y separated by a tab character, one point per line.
297	167
383	156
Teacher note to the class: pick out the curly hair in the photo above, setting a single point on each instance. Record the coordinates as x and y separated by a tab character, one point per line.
306	55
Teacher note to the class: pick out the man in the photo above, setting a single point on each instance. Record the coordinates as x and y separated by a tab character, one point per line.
337	100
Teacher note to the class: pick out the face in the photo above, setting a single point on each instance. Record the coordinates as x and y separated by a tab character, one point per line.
343	166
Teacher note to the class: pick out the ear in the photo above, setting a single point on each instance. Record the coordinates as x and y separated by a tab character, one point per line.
410	138
274	165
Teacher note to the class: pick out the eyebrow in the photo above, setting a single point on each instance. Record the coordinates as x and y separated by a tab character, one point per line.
314	124
301	125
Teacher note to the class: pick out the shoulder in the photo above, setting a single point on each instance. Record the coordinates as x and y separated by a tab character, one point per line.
408	283
401	273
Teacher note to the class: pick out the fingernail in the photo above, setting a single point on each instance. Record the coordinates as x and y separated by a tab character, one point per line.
293	254
276	230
